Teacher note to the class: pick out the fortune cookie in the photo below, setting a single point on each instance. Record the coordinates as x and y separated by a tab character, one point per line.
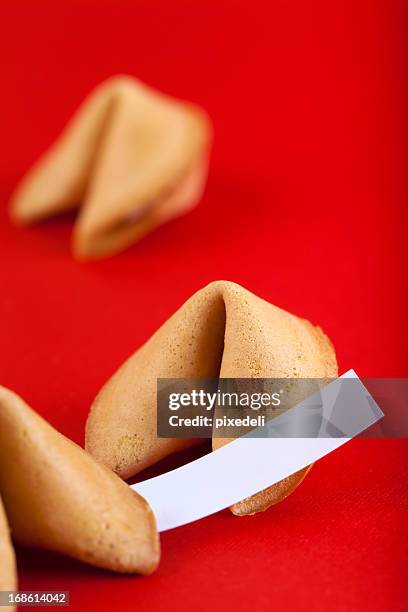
57	497
131	159
8	575
222	331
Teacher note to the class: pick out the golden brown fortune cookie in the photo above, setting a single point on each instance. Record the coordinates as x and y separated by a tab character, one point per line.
57	497
131	158
225	331
8	574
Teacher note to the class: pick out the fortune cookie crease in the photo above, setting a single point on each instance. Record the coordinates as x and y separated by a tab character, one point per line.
8	573
131	159
57	497
224	331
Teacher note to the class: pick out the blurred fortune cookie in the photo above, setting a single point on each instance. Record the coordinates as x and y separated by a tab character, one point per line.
8	574
130	159
57	497
223	331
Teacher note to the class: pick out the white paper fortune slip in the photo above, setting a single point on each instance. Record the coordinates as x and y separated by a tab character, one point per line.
250	464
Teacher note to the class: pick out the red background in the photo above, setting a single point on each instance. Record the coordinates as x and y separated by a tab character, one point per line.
305	206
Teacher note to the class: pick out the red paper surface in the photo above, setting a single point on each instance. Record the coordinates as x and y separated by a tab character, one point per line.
305	206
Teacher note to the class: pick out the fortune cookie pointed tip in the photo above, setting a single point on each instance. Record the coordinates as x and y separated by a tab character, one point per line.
82	246
20	214
259	502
